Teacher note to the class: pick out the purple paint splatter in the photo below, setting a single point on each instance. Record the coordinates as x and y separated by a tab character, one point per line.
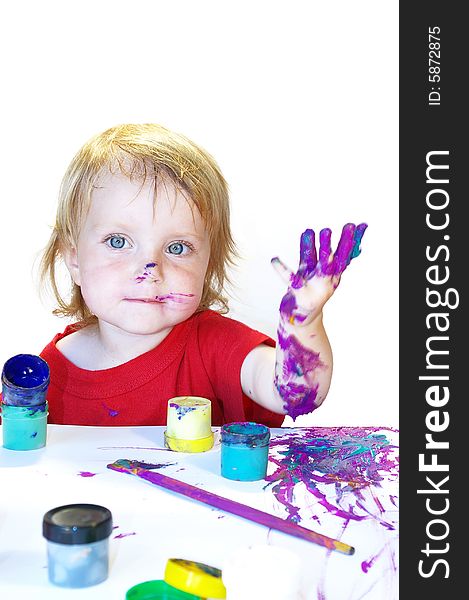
181	411
111	411
335	465
123	535
86	474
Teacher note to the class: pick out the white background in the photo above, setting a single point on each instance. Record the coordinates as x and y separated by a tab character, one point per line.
298	103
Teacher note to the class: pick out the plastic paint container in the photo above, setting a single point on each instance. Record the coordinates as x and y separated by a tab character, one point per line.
188	425
24	427
263	571
195	578
244	451
157	590
77	544
25	379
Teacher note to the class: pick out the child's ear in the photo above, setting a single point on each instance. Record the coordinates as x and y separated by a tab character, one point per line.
70	257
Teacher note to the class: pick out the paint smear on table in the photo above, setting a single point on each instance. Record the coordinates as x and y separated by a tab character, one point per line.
86	474
337	465
337	475
123	535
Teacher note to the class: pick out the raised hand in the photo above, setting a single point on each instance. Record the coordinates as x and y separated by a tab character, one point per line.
316	279
303	365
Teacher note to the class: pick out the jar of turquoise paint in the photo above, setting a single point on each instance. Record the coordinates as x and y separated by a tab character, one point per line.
24	427
244	451
25	380
77	544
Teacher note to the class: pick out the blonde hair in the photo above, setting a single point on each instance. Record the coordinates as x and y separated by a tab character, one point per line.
141	151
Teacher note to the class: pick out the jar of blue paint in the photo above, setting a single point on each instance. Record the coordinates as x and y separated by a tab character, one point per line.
25	380
77	544
244	451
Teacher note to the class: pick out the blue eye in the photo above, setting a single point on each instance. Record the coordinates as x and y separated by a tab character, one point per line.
176	248
116	241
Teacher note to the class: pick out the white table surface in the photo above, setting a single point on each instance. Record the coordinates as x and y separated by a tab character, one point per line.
152	524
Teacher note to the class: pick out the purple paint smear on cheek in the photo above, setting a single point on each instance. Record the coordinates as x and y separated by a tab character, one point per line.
299	362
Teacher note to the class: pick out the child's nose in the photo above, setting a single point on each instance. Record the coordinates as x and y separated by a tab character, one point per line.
149	272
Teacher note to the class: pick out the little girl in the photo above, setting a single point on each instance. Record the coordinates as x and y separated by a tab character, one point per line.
143	228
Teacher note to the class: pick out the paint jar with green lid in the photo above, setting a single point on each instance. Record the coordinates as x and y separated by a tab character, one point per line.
157	590
77	544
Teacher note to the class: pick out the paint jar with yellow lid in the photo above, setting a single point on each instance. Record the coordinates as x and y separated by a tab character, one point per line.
189	424
195	578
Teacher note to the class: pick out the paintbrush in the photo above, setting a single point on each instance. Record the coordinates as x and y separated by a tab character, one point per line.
227	505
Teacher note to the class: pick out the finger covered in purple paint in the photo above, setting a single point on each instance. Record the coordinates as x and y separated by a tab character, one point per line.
308	259
344	248
357	238
325	249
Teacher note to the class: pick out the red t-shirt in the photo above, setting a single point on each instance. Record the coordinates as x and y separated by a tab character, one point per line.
201	356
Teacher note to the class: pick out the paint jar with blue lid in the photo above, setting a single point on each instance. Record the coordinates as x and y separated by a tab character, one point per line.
77	544
244	451
25	380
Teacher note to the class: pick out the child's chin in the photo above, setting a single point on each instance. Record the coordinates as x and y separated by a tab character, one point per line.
141	326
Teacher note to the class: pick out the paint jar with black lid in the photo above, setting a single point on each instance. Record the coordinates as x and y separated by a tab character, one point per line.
77	544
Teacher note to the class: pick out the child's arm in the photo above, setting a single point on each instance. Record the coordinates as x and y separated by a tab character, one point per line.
295	377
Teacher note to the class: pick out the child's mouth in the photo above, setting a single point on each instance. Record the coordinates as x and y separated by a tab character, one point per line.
176	297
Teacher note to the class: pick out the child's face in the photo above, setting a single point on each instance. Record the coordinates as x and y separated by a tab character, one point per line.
140	264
